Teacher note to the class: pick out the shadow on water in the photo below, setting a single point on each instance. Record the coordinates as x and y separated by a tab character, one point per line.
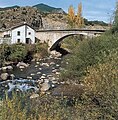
61	50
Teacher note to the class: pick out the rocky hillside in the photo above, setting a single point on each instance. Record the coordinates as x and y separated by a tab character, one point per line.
39	16
55	21
13	16
7	8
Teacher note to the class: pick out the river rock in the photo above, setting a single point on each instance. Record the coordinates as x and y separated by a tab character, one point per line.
4	68
40	81
45	86
57	73
32	74
12	76
37	63
38	73
9	67
57	65
34	96
52	78
42	77
54	82
46	64
36	66
28	77
52	63
21	67
40	68
43	74
22	64
4	76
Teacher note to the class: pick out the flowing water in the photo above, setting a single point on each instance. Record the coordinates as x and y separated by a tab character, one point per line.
26	78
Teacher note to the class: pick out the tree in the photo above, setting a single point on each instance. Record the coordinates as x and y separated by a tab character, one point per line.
79	18
71	16
115	22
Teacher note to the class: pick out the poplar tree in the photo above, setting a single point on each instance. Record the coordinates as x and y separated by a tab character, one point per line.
79	18
71	16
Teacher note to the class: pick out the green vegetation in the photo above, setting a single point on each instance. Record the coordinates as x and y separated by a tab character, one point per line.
93	64
21	52
115	23
96	22
15	52
41	50
89	53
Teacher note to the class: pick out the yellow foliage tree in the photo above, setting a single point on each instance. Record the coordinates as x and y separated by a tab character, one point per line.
71	16
79	18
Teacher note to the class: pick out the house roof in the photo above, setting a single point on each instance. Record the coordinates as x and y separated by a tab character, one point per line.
21	24
16	26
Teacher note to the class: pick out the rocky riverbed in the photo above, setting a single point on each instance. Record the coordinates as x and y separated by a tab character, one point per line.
40	75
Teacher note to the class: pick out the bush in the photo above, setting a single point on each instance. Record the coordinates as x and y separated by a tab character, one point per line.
5	51
89	53
18	52
101	82
41	50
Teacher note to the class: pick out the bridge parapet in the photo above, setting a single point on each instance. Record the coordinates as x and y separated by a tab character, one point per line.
52	36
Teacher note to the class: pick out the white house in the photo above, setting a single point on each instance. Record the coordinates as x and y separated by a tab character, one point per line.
21	34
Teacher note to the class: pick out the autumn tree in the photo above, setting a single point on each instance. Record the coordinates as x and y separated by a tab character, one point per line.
79	18
71	16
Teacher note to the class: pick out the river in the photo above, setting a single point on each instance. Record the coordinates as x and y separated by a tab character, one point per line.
44	69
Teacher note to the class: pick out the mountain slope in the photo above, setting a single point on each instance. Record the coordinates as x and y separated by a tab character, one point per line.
48	9
11	7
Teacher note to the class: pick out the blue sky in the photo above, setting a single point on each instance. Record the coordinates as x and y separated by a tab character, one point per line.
92	9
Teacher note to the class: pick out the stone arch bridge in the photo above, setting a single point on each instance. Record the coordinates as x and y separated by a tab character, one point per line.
54	37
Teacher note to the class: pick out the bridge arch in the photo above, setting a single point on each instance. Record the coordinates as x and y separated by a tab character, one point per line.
55	44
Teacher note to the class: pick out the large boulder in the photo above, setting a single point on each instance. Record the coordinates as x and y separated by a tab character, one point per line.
69	90
45	86
6	68
22	64
4	76
9	67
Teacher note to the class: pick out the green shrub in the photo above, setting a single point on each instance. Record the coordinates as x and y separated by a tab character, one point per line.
18	52
101	82
5	51
88	53
41	49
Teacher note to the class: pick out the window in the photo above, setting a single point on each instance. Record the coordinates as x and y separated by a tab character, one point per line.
18	33
18	40
29	33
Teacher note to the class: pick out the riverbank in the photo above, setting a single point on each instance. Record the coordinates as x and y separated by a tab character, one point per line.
86	88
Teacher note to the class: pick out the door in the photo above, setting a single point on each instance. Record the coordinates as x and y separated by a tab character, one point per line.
28	41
